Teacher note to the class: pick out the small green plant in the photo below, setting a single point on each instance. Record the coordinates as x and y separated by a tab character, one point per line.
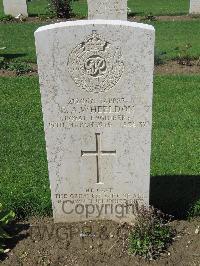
5	218
194	210
19	67
183	56
6	18
62	8
159	57
151	233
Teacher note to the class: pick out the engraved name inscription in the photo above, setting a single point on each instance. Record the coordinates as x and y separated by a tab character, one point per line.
106	112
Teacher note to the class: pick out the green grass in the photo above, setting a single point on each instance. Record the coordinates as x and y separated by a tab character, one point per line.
176	126
159	7
80	8
144	7
24	184
139	7
170	35
1	9
38	8
19	40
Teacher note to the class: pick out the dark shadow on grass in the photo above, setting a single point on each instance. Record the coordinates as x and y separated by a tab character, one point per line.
174	194
35	15
12	56
17	231
133	14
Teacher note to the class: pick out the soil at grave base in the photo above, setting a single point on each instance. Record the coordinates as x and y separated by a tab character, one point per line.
13	73
163	18
170	67
173	68
104	243
10	73
130	18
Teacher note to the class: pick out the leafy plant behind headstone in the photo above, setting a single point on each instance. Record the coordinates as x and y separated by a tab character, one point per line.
62	8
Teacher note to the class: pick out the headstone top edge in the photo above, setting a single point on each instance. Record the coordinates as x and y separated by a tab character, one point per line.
95	22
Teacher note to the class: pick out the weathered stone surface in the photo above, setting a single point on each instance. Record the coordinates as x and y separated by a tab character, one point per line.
15	7
96	87
194	6
107	9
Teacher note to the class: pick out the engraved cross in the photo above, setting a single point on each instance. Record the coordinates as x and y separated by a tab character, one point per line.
98	153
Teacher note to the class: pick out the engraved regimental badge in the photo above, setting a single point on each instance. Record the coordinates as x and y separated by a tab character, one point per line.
95	65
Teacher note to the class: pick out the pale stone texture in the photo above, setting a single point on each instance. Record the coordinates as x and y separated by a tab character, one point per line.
194	6
96	87
107	9
15	7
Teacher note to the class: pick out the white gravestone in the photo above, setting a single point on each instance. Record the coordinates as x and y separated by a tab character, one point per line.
194	7
15	7
107	9
96	87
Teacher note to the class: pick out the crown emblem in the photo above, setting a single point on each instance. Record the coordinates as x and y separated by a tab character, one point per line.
94	43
